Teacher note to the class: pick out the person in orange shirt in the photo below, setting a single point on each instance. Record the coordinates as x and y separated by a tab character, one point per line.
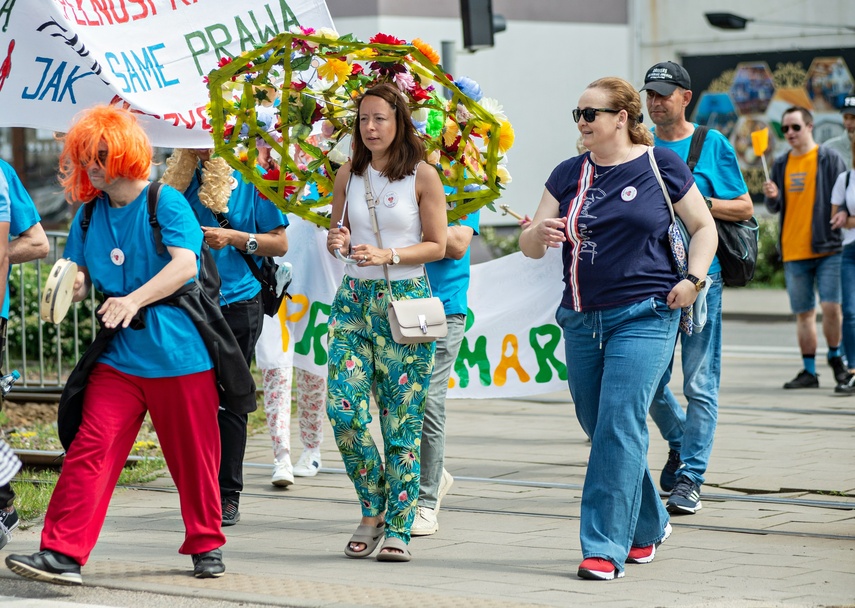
800	189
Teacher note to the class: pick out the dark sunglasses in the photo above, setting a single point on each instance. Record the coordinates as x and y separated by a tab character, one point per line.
795	128
590	114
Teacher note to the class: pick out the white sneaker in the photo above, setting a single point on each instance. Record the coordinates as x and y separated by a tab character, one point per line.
445	484
425	523
309	463
283	474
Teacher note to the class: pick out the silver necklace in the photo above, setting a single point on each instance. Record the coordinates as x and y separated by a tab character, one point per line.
597	174
377	197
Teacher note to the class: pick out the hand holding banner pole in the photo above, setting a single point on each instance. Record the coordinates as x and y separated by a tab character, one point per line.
760	142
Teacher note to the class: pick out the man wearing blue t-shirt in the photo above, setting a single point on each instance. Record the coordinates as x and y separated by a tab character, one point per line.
449	281
256	228
29	242
717	174
9	463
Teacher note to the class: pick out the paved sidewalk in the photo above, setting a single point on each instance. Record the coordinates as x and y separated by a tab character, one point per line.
777	527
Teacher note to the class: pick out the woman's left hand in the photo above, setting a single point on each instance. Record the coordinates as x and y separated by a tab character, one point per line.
118	311
682	294
368	255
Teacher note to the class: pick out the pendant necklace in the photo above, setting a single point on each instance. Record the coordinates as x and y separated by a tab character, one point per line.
597	174
377	197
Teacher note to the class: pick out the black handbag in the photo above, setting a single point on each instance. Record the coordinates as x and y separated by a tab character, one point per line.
271	293
737	250
737	241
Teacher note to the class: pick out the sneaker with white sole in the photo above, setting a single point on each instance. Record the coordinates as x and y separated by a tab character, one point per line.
283	474
445	483
8	522
46	566
309	464
685	498
598	569
425	522
645	555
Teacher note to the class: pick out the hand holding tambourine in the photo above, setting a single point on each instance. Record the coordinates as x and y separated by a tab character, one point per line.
58	291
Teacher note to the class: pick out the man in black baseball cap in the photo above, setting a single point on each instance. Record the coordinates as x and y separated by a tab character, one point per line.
664	77
843	142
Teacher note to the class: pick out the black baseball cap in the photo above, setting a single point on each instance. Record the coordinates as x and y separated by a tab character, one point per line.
848	106
664	77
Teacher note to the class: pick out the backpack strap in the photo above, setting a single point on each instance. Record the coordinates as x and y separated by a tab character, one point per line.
696	146
88	210
153	198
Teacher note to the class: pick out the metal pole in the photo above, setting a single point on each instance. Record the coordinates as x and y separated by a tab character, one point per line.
447	58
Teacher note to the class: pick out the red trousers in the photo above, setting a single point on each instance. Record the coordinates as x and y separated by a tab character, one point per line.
184	414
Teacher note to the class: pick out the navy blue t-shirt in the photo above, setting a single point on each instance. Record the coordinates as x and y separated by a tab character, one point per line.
617	250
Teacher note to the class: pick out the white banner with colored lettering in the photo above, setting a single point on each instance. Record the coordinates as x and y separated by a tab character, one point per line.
512	347
58	57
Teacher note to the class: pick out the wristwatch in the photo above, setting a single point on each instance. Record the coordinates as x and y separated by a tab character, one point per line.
251	244
396	259
708	201
699	283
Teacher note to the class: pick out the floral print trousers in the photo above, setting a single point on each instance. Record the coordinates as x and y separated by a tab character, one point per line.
311	398
363	355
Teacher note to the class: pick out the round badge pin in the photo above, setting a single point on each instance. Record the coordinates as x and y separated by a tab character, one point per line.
390	200
117	256
628	193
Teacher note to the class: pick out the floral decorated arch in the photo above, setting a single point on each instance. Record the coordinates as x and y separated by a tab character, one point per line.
296	96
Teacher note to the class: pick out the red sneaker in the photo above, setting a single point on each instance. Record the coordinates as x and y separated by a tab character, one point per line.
645	555
598	569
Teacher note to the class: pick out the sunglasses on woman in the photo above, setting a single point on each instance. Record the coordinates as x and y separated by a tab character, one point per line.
795	128
590	114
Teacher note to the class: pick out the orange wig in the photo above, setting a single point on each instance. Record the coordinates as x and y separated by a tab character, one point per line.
129	151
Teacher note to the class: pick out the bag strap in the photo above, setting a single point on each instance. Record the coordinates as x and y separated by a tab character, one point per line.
695	147
223	221
658	175
372	204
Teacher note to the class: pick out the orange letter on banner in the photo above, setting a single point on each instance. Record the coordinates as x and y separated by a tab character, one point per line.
511	361
299	300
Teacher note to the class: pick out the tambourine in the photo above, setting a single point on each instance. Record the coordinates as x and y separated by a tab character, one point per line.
58	291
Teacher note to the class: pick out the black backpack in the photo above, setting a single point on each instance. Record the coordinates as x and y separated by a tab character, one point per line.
208	278
737	241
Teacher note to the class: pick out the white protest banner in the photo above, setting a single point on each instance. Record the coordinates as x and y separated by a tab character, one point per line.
58	57
512	346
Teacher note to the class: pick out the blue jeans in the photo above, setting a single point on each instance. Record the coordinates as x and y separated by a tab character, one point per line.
847	280
433	431
691	432
615	359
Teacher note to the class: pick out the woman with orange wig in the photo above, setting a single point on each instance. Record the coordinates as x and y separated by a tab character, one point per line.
157	364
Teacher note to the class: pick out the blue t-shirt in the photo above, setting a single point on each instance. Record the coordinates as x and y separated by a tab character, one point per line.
617	249
247	212
169	345
449	279
717	173
22	210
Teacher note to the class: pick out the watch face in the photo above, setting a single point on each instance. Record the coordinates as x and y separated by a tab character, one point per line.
396	259
251	245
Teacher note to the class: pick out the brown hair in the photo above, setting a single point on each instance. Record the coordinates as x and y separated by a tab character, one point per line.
128	150
623	96
406	150
807	117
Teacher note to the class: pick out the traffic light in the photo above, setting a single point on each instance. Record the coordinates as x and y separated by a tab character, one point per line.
479	24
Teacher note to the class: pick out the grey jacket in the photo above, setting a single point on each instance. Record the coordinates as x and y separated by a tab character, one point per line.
829	166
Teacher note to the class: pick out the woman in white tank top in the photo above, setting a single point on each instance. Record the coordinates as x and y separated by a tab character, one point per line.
387	161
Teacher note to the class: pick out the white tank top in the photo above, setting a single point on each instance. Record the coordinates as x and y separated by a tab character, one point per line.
397	215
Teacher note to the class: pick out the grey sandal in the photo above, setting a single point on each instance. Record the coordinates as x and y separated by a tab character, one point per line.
367	535
393	542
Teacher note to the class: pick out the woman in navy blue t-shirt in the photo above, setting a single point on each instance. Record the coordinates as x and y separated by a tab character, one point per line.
620	310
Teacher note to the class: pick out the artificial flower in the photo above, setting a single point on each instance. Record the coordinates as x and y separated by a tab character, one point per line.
327	33
224	61
503	176
381	38
469	87
356	69
450	132
334	70
419	94
362	54
405	81
426	50
506	136
491	106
